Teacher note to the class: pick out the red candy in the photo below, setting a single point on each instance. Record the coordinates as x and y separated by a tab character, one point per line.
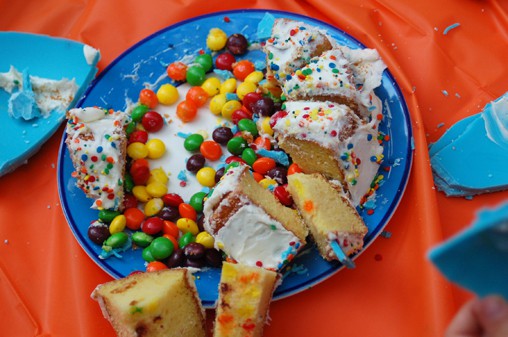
133	217
138	136
232	159
152	121
140	171
240	114
250	98
281	193
129	201
263	165
211	150
225	61
152	225
172	199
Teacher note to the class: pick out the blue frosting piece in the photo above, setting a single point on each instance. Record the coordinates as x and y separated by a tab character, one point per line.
279	156
476	258
264	30
44	57
471	158
22	103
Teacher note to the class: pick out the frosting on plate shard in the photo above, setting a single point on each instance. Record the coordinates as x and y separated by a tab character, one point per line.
472	156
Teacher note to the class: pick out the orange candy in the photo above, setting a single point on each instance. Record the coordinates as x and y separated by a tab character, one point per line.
170	228
133	217
149	98
187	211
210	150
243	68
172	239
186	111
263	165
294	168
197	95
155	266
177	71
263	143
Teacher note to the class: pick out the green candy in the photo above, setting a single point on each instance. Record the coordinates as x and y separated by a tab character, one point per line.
116	240
131	127
248	125
142	239
195	75
236	145
249	156
146	254
196	201
193	142
128	183
161	248
205	60
186	239
138	112
107	215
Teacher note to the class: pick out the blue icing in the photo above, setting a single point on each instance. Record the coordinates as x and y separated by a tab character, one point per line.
279	156
231	97
107	251
481	141
22	103
264	30
182	175
223	74
183	134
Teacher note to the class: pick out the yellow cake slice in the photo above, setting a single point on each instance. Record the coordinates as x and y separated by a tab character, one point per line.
153	304
328	213
245	293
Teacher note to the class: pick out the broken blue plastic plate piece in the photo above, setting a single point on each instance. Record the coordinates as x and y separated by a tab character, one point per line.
45	57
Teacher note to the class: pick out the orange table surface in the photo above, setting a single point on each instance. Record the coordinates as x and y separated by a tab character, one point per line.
46	278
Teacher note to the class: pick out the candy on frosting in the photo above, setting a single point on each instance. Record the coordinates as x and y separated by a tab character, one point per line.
336	127
96	143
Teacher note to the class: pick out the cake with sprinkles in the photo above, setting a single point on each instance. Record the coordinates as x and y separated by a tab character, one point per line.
249	224
245	293
291	46
328	213
332	76
161	303
329	138
97	145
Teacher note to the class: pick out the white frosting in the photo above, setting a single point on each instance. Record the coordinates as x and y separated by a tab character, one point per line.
291	46
495	116
11	80
90	54
349	242
94	138
252	237
324	123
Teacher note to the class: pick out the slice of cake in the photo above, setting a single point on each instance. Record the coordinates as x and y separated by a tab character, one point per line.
153	304
244	299
328	213
249	224
97	145
329	138
291	46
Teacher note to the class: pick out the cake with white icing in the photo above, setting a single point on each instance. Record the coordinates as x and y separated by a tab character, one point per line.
291	46
249	224
329	138
97	145
328	213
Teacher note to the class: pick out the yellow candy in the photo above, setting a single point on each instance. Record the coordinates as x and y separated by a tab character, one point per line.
229	107
137	150
156	189
158	174
265	126
153	206
212	86
141	193
216	103
203	133
216	39
244	88
187	225
206	176
254	77
205	239
156	148
118	224
267	182
167	94
228	86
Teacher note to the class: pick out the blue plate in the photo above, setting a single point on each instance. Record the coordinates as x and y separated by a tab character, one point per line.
56	58
147	60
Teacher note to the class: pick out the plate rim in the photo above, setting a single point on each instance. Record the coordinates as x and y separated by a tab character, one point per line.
336	266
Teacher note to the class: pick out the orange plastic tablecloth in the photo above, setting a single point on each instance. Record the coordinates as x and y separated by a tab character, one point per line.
46	278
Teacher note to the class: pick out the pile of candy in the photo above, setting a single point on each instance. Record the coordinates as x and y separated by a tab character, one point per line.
167	229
